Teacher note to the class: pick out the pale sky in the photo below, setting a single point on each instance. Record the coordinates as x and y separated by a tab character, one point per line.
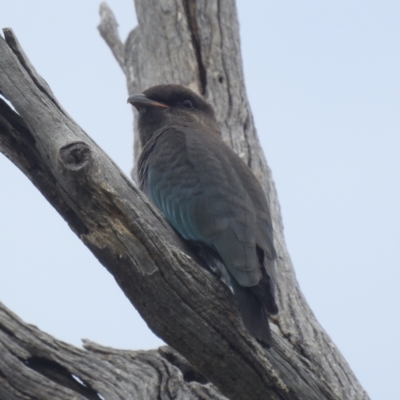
323	82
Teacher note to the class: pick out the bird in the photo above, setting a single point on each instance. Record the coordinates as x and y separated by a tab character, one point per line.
209	195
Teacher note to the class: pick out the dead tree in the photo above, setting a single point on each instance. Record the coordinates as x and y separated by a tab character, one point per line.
211	356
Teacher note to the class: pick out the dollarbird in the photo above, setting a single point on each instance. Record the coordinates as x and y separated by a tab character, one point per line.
209	195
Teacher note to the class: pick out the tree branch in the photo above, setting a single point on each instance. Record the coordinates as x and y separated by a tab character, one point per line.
180	300
33	365
197	44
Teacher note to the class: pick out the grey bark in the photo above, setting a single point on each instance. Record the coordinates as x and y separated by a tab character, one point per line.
33	365
196	44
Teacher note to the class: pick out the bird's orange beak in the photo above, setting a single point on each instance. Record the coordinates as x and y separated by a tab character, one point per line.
141	102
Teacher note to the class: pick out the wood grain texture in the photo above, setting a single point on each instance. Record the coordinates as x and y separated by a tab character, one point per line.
33	365
181	301
208	33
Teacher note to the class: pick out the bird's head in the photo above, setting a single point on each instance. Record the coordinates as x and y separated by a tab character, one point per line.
166	105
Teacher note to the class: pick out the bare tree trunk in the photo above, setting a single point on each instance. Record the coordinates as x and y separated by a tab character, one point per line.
195	44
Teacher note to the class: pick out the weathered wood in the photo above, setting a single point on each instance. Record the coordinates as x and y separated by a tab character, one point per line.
182	302
194	44
197	44
33	365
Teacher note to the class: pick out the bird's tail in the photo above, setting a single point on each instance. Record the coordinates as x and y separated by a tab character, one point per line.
253	312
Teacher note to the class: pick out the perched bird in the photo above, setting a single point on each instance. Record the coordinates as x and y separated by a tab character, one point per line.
209	195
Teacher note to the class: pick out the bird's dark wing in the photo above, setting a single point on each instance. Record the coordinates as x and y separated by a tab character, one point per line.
208	195
250	218
264	232
190	179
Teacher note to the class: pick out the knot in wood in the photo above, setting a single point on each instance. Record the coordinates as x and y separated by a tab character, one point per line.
75	156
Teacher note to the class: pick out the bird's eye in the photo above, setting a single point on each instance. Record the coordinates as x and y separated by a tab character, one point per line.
188	103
